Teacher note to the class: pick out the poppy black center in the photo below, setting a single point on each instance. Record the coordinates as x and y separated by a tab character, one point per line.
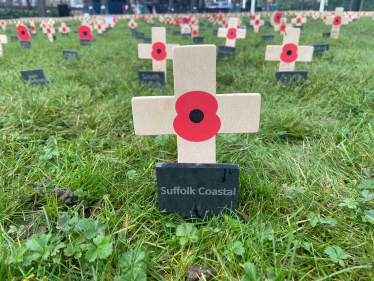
289	53
232	33
196	116
158	51
337	20
23	33
84	33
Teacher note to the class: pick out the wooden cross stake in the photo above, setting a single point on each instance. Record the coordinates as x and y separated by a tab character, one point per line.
3	40
195	113
336	21
32	27
299	20
156	50
50	31
64	29
289	52
100	28
256	23
282	26
232	32
132	24
3	24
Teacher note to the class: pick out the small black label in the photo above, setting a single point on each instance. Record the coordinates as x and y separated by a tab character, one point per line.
319	48
210	25
54	38
151	78
147	40
35	77
198	39
9	30
201	24
197	190
85	42
65	34
326	35
186	35
287	77
202	29
215	32
13	38
139	35
100	35
26	44
75	31
267	37
34	34
224	51
176	33
68	54
300	27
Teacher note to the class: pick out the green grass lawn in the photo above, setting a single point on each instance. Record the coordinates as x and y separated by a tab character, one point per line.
306	181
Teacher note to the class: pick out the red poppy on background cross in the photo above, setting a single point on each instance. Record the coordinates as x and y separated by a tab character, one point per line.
256	22
196	113
299	20
158	51
336	21
289	52
231	32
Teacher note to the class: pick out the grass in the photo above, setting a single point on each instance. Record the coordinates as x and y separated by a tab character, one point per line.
303	211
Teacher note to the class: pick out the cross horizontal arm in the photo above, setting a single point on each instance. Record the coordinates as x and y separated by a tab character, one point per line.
273	53
153	115
145	51
304	53
239	113
169	51
222	32
240	33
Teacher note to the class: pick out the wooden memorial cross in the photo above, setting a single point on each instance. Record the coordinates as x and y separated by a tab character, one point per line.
232	32
289	52
132	24
336	21
100	28
195	31
256	23
64	29
3	40
282	26
50	31
299	20
3	24
32	28
158	51
195	113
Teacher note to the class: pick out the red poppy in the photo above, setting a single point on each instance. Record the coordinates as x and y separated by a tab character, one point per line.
185	20
63	29
257	22
32	28
289	53
167	22
214	15
23	34
298	20
143	17
231	33
99	26
194	33
220	17
159	51
132	24
324	17
43	25
192	22
282	27
253	17
223	22
48	30
177	22
85	32
277	17
197	119
216	23
337	21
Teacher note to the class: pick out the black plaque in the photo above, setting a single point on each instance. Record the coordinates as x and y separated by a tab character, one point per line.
34	34
176	33
54	38
326	35
186	35
100	35
215	32
210	25
224	51
287	77
65	34
198	39
26	44
197	190
300	27
151	78
85	42
319	48
68	54
267	37
9	30
201	24
147	40
139	35
75	31
35	77
13	38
